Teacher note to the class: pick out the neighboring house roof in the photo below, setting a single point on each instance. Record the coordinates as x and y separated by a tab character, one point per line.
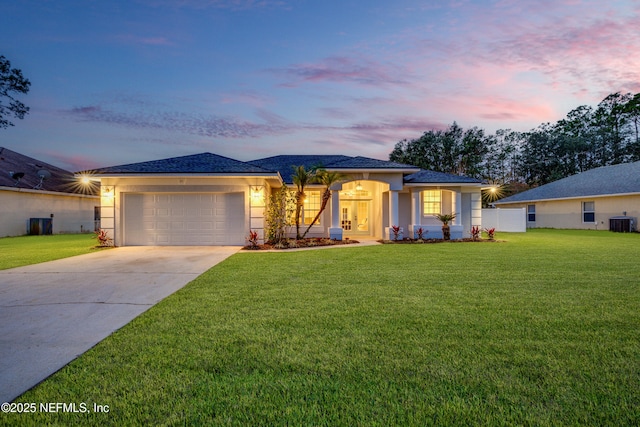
607	180
20	171
196	163
285	164
425	176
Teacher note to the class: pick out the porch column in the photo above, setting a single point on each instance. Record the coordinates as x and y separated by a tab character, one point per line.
393	214
415	214
457	208
335	232
393	208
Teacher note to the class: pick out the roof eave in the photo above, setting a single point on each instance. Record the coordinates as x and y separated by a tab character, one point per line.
373	170
183	175
444	184
552	199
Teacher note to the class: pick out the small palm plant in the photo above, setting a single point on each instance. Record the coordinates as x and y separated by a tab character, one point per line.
445	219
327	179
301	178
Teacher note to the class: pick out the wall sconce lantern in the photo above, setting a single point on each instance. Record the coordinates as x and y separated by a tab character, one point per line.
107	192
257	194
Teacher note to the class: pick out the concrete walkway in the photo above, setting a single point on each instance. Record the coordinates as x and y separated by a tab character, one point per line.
51	313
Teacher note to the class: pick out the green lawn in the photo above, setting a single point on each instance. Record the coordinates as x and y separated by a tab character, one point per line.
25	250
543	329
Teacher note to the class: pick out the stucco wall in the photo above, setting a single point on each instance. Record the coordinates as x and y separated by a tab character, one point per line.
112	206
568	213
72	213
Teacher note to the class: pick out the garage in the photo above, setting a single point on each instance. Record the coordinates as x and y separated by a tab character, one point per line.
184	219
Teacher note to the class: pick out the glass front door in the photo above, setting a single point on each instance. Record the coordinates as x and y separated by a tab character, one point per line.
354	216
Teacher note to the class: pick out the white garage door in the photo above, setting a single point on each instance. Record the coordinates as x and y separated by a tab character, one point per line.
184	219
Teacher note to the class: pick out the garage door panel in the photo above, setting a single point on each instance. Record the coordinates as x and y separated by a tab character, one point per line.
184	219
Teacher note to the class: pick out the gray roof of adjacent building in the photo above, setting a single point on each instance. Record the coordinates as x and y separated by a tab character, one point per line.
24	172
603	181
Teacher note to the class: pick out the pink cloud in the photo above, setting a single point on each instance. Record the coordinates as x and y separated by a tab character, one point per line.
341	69
144	41
189	123
248	97
72	163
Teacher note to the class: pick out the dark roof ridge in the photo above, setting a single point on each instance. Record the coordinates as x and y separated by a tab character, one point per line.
192	163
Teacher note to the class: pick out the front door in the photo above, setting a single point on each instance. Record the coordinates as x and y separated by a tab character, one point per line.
354	217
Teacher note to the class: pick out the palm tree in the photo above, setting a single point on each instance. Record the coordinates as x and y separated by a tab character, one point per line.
301	178
445	219
327	179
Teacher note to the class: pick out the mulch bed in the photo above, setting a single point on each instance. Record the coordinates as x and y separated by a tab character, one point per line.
423	241
302	243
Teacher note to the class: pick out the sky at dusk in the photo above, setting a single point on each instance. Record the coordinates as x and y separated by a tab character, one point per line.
116	82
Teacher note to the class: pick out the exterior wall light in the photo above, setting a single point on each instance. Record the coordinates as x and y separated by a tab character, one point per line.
107	192
257	194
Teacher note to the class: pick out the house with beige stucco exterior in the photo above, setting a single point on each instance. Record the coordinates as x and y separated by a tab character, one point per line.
39	198
597	199
207	199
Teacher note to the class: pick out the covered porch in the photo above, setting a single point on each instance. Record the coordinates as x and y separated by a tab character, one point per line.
368	207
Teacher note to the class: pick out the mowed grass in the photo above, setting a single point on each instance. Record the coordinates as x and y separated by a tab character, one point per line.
542	329
26	250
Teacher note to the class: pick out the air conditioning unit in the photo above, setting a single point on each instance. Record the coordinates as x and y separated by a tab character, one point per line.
622	224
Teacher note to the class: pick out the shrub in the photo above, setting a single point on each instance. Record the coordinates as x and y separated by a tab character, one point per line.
490	232
279	214
253	239
475	232
103	238
396	231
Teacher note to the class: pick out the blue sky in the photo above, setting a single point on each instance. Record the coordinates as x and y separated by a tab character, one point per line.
117	82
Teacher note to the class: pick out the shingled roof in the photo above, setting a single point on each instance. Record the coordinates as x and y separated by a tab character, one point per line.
285	163
425	176
196	163
607	180
20	171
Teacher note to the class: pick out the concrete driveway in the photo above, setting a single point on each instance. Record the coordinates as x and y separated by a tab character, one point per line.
51	313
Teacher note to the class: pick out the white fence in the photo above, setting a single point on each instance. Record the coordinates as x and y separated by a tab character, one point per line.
508	220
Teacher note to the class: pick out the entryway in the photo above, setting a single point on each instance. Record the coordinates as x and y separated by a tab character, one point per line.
355	217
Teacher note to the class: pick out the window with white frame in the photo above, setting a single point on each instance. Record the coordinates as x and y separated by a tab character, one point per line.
431	202
312	203
531	213
588	212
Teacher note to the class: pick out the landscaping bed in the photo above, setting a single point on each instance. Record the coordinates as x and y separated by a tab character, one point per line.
422	241
300	243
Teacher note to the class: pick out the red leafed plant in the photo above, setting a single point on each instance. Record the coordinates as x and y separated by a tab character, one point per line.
103	238
253	239
421	232
475	232
490	232
395	229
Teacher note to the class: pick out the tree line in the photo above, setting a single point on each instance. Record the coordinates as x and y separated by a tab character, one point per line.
585	139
